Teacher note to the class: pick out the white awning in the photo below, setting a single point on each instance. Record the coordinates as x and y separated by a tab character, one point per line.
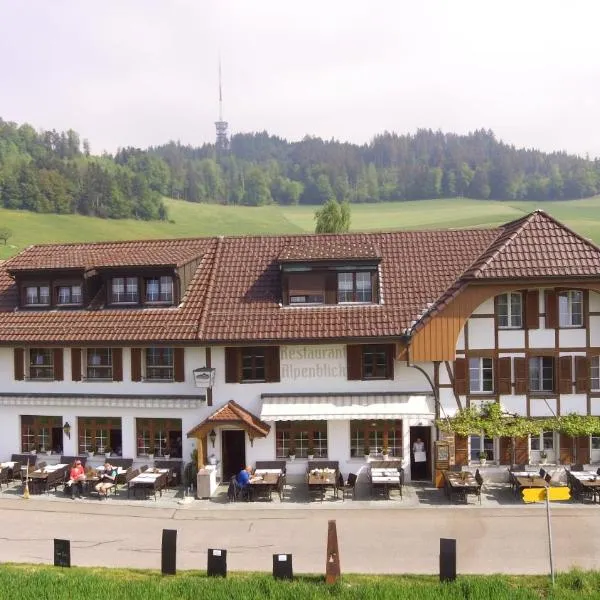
303	407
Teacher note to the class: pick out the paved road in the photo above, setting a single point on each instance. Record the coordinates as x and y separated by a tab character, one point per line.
512	540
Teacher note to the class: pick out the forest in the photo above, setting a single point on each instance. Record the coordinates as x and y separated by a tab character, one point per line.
50	171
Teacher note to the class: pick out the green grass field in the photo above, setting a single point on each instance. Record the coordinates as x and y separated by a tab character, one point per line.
192	220
26	582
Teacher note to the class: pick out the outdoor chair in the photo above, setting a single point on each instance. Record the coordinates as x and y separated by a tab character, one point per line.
598	471
349	487
548	478
143	468
42	465
69	460
235	492
479	480
3	476
576	467
14	474
280	489
518	467
542	473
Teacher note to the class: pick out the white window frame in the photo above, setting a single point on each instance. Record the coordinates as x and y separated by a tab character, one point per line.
540	379
74	295
514	319
595	373
594	451
40	300
542	442
476	374
482	445
567	316
92	365
33	364
164	290
124	290
167	371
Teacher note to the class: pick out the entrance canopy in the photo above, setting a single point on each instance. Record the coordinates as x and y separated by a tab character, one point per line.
231	414
303	407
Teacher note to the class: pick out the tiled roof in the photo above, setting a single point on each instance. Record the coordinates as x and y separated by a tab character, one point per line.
329	247
235	294
232	413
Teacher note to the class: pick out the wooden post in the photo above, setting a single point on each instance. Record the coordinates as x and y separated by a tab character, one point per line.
201	457
332	567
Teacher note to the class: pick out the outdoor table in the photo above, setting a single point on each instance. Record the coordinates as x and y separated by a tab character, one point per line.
39	477
533	481
385	479
149	481
460	484
263	484
320	479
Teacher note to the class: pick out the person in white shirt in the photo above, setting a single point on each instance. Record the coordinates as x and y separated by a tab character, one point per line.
418	446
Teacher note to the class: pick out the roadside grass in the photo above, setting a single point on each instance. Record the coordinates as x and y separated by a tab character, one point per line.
42	582
194	220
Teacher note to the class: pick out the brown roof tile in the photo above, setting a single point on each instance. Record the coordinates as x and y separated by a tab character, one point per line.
329	247
232	413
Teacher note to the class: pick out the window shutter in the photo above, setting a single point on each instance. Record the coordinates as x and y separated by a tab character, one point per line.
520	368
76	364
354	361
331	288
232	359
117	364
582	375
136	364
521	450
583	449
19	359
460	376
58	364
375	286
551	307
532	309
461	450
272	364
505	451
504	375
391	355
179	364
565	374
566	449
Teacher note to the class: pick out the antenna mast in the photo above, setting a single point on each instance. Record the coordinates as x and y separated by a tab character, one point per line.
222	141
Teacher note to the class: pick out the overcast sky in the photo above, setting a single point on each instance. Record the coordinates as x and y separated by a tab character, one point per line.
142	72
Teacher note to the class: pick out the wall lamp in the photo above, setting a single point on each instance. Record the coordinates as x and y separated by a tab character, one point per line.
213	436
67	429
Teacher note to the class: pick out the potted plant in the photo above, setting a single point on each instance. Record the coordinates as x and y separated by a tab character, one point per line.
543	457
385	452
311	453
151	451
100	450
292	453
91	451
483	457
367	452
107	452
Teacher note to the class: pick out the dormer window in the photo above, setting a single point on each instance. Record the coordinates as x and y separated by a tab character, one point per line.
68	294
37	295
355	287
124	290
159	289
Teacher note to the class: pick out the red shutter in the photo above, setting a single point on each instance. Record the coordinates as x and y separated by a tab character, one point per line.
179	364
504	375
460	376
582	375
505	451
391	356
461	450
521	450
232	371
58	364
76	364
272	370
354	361
565	374
532	309
136	364
117	364
566	449
19	360
583	449
520	368
331	288
551	309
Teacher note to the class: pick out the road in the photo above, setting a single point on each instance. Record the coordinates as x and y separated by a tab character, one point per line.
510	540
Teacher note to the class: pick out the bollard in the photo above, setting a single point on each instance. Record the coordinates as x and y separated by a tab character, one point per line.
62	553
332	567
282	566
168	563
447	559
217	563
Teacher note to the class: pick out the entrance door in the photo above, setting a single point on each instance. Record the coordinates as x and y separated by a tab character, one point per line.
233	447
421	470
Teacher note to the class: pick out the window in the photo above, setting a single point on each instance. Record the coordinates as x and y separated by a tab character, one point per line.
541	374
544	441
481	375
595	442
68	294
159	289
125	290
376	435
307	299
375	362
99	363
99	434
253	364
301	436
595	373
158	437
510	310
41	433
159	364
41	363
355	287
570	309
479	444
37	295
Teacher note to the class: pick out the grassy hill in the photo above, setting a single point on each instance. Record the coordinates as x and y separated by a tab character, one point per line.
192	220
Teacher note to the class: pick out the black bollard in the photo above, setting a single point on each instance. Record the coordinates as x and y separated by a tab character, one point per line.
168	563
282	566
62	553
217	563
447	559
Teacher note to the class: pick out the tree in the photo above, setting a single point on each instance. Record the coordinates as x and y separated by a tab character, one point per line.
333	217
5	234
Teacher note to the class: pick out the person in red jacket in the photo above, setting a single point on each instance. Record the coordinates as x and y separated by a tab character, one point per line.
76	479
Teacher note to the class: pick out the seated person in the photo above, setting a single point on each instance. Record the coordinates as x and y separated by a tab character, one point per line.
76	479
107	480
243	478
